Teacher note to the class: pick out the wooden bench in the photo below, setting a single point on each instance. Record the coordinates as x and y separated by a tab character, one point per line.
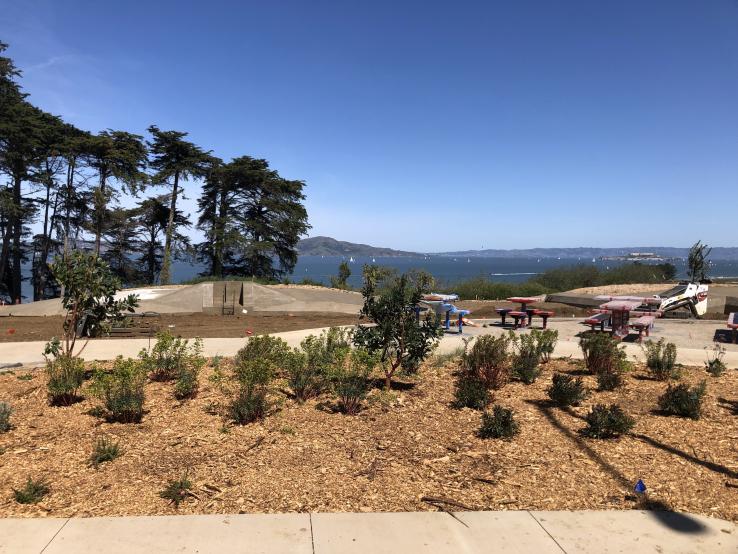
733	325
598	320
643	325
145	324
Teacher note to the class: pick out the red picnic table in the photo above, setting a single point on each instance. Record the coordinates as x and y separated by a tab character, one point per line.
617	311
524	316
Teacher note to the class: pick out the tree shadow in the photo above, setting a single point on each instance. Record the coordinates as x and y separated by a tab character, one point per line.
731	405
394	385
712	466
682	523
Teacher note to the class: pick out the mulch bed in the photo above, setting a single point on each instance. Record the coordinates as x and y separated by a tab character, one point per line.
405	445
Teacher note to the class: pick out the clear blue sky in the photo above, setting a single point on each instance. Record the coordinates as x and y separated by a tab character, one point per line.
425	125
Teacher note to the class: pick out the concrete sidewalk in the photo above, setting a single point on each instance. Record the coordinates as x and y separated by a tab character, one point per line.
691	338
339	533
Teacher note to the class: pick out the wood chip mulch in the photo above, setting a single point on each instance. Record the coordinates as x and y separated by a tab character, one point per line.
404	448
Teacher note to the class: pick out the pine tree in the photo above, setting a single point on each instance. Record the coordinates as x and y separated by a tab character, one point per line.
174	159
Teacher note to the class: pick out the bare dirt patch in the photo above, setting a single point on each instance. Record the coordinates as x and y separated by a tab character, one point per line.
13	329
401	447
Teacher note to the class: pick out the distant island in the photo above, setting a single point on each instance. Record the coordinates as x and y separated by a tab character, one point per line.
327	246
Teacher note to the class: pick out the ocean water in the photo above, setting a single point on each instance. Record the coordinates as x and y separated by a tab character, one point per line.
450	270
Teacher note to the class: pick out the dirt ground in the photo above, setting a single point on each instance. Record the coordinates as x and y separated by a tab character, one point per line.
28	328
402	446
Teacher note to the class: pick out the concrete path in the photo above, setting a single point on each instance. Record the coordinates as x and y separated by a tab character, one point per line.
413	532
691	338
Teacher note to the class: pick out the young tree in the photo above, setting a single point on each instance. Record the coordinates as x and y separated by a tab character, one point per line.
174	159
389	302
116	156
89	292
698	261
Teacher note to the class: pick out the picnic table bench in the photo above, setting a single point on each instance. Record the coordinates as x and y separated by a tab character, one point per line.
733	325
145	324
643	325
597	320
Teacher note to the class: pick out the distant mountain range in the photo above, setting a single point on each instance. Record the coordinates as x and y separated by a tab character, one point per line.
326	246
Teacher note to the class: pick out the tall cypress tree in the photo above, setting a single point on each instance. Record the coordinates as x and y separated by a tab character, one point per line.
117	157
173	159
152	218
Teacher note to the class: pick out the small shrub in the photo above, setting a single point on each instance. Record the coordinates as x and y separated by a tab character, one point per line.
471	393
173	358
5	412
349	379
121	390
604	422
566	391
661	359
105	450
488	359
500	424
177	490
714	364
255	366
307	368
609	380
264	350
66	375
683	401
32	492
546	340
600	351
526	358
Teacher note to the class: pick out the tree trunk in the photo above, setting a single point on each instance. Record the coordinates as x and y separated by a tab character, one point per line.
40	266
16	275
219	235
100	215
165	276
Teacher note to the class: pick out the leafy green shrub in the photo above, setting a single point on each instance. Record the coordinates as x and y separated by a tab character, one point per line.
172	358
32	492
526	357
500	424
546	340
604	359
66	375
121	390
5	412
177	490
566	391
308	368
349	378
471	393
714	364
607	421
683	401
661	359
255	366
105	450
488	360
600	351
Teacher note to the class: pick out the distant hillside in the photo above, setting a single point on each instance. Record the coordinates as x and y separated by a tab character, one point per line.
326	246
718	253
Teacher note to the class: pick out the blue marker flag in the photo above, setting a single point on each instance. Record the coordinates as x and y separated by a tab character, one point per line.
640	487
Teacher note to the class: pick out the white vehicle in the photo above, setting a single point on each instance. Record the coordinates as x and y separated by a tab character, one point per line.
685	294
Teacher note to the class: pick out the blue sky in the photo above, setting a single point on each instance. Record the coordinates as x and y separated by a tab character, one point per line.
425	125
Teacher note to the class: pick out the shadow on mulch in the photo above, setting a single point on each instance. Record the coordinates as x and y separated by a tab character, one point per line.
679	522
730	405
